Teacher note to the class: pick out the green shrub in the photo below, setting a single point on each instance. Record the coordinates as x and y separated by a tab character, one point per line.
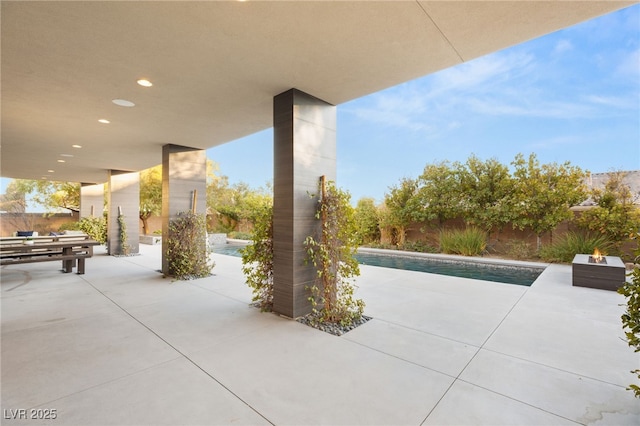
257	259
187	248
566	247
467	242
94	227
631	317
420	246
237	235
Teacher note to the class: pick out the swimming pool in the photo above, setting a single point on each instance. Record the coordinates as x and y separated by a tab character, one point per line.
502	273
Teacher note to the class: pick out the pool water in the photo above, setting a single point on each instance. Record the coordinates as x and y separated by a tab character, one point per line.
519	275
478	271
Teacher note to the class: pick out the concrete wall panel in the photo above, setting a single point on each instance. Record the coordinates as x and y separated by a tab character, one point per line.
91	199
304	150
184	170
124	196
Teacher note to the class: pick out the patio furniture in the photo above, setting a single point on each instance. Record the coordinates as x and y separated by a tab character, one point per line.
67	249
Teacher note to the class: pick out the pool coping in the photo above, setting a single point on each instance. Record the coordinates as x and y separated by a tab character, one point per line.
457	258
439	256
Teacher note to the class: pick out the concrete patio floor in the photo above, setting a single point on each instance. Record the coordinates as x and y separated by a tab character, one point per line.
121	345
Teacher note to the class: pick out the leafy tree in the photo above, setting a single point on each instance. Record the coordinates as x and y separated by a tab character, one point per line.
150	195
543	195
14	198
236	202
367	221
51	195
615	215
485	188
14	201
438	196
398	208
254	201
219	196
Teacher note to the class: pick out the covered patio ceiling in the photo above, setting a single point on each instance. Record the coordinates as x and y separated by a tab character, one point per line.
216	66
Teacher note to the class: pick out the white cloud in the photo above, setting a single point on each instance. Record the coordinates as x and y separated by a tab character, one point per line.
619	102
562	46
538	108
512	83
482	72
430	105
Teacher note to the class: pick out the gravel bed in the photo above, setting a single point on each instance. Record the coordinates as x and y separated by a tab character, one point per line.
332	328
311	320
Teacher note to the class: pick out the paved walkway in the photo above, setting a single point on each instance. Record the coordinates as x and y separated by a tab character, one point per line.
121	345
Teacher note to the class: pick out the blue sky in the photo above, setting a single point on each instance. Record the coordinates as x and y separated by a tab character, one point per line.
573	95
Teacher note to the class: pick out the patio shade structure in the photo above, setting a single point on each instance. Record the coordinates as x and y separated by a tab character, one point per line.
216	68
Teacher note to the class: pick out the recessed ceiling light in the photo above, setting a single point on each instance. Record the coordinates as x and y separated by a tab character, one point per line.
44	177
76	146
123	103
145	83
66	155
61	161
104	121
50	171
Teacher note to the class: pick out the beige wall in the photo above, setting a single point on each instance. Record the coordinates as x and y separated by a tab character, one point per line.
12	222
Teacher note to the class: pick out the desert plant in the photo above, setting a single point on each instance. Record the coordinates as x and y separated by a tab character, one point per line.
631	317
332	253
564	248
187	248
257	259
470	241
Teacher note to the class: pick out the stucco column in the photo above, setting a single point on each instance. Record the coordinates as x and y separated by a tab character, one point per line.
304	150
91	199
184	170
123	198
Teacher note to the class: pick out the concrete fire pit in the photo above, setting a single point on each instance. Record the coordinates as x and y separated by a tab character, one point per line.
608	274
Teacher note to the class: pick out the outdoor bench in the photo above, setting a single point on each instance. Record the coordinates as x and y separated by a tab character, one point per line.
67	249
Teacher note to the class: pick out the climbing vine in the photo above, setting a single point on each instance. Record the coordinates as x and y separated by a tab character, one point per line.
257	259
631	317
123	238
187	248
332	253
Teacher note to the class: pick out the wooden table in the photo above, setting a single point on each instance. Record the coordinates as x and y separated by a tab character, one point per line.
66	251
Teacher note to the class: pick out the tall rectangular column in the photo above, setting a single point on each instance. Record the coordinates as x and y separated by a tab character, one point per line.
184	170
304	150
91	199
123	198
